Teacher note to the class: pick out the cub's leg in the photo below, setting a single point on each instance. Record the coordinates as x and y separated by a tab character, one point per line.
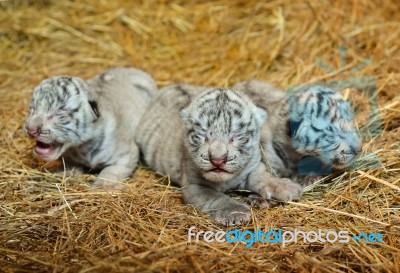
220	206
271	188
112	176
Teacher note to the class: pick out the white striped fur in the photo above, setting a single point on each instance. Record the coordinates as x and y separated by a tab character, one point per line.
91	123
313	122
207	140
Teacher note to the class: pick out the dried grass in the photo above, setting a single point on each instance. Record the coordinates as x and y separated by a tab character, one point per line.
50	223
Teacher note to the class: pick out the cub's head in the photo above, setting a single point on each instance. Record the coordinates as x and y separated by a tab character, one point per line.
321	125
60	116
222	132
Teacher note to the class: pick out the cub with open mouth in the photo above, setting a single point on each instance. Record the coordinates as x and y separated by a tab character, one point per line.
91	123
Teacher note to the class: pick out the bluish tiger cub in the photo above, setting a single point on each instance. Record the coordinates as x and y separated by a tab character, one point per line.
91	123
313	122
208	142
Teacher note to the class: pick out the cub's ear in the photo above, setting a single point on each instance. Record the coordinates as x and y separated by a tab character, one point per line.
90	95
302	136
299	139
261	116
92	100
95	109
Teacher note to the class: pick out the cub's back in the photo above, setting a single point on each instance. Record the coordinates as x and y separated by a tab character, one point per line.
160	131
125	92
261	93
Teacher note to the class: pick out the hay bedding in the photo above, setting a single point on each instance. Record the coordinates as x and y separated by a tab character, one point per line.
57	224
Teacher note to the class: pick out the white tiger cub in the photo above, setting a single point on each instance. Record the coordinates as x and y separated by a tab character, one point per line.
209	144
91	123
314	122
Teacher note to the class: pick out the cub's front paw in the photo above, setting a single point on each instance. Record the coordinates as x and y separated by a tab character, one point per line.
281	189
236	214
259	202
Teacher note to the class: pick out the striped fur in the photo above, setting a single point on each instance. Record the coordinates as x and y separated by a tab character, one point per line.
313	122
91	123
187	129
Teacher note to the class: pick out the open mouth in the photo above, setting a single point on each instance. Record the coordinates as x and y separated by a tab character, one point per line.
46	149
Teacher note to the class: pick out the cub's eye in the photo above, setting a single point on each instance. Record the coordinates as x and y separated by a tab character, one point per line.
31	109
240	138
54	116
198	137
59	115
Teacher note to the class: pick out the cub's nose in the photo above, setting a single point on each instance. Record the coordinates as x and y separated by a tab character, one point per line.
33	132
218	162
34	126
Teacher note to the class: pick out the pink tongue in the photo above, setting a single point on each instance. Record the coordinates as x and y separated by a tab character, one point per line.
44	149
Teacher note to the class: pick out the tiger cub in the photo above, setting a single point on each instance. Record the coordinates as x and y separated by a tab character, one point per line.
91	123
207	141
309	131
